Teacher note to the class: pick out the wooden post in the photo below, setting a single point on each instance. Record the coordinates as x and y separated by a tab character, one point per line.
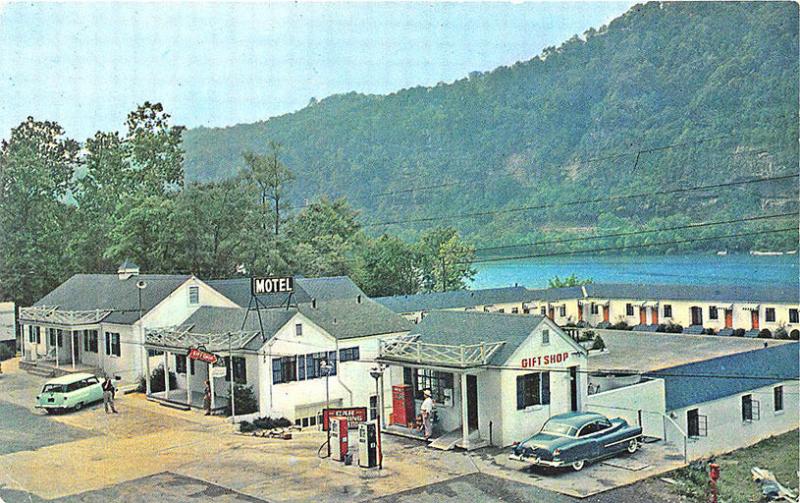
55	339
72	347
166	374
211	384
464	412
188	381
147	389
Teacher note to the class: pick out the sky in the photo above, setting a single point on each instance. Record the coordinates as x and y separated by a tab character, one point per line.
86	65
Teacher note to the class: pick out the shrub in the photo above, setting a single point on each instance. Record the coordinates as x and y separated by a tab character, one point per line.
244	400
599	343
621	325
781	333
282	422
739	332
672	328
157	381
267	423
5	352
794	335
247	426
708	331
586	335
765	334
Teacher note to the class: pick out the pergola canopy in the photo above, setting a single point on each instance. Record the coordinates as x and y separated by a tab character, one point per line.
56	316
409	349
183	338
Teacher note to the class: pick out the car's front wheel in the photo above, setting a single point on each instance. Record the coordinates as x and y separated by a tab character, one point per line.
578	465
78	406
633	445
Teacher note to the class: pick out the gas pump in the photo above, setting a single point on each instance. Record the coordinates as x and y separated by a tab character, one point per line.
338	427
367	445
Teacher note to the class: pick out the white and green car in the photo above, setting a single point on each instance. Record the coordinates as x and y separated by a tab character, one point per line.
72	391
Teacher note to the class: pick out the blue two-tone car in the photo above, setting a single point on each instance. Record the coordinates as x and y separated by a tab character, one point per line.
577	438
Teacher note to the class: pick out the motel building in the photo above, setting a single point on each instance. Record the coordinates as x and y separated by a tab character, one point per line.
495	378
96	322
279	344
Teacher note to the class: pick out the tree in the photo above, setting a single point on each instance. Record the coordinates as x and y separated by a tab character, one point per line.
445	261
271	176
142	233
571	280
36	165
390	267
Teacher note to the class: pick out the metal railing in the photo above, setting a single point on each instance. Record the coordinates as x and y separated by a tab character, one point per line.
409	348
54	315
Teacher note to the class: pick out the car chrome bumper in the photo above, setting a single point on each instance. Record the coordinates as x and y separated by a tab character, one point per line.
535	461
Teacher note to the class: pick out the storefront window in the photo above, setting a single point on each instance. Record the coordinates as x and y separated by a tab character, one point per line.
533	389
440	384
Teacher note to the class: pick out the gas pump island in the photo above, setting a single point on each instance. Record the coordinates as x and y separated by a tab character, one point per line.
368	455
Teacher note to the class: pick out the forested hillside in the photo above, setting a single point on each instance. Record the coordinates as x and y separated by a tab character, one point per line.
667	96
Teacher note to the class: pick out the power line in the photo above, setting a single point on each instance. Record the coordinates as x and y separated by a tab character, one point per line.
645	231
627	247
583	201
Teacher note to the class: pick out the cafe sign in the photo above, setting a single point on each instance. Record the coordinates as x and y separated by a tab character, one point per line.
200	353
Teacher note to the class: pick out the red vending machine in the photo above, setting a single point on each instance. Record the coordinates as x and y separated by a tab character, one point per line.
338	438
403	410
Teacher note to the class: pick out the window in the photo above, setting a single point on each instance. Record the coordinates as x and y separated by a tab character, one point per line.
194	295
514	310
594	308
545	336
533	389
794	316
544	310
239	367
349	354
284	369
594	427
777	395
180	364
667	310
154	352
562	311
35	334
440	384
298	329
747	408
769	313
629	309
373	407
55	336
712	313
112	344
90	341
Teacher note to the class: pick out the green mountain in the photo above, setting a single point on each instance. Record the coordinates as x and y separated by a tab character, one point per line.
667	96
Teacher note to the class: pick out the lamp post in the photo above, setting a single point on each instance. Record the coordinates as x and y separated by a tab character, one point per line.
233	379
327	367
376	373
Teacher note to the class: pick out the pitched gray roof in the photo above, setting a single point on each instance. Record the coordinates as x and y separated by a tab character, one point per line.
348	318
556	294
775	293
87	292
454	299
218	320
469	327
321	289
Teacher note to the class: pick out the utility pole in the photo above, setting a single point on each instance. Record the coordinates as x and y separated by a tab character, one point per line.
233	380
444	276
326	367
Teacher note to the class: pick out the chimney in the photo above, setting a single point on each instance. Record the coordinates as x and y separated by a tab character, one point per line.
313	303
358	298
127	269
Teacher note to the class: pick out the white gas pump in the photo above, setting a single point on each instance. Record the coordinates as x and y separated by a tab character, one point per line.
367	445
339	440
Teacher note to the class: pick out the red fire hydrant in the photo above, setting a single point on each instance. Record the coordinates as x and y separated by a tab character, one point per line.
713	474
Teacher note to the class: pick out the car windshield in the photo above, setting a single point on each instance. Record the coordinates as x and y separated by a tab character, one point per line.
556	428
54	388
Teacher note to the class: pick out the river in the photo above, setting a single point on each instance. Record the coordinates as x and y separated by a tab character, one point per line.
699	269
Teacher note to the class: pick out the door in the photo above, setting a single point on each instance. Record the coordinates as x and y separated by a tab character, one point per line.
573	388
693	423
729	318
472	402
697	316
754	319
643	315
605	314
654	314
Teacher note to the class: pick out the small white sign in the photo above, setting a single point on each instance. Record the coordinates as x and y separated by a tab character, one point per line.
219	371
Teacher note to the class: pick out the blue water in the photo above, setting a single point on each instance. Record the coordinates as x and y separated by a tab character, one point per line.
705	269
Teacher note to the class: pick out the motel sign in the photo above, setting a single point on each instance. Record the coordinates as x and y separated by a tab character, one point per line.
262	286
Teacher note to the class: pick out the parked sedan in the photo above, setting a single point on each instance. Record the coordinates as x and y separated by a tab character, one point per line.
577	438
71	391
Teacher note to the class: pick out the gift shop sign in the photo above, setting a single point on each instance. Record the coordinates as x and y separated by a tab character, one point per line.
544	360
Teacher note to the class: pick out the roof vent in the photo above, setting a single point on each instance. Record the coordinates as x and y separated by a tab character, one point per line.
334	321
127	269
358	298
313	303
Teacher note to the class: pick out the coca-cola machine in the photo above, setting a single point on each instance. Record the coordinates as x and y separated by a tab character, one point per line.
403	410
338	440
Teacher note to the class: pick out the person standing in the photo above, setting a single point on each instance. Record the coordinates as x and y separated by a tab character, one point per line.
108	395
207	398
427	413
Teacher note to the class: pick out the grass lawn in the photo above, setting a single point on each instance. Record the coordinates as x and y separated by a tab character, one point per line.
777	454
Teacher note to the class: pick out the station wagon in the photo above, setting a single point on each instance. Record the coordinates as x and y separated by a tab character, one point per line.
72	391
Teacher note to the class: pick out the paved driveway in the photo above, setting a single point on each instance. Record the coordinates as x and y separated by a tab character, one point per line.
23	430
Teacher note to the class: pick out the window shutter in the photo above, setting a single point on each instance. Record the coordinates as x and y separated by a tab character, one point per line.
277	371
408	378
108	343
520	392
545	388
